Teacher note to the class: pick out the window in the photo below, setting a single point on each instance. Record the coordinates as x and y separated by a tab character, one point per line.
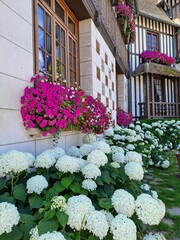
152	41
56	42
157	90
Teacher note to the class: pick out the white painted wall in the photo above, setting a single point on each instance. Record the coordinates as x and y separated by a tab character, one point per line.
16	67
90	59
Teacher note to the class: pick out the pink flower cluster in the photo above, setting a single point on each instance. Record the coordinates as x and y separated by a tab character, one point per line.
125	11
123	118
52	108
96	118
157	57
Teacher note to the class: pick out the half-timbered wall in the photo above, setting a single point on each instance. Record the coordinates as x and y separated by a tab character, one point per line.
165	41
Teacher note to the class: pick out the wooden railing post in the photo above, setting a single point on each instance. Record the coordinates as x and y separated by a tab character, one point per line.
147	96
152	84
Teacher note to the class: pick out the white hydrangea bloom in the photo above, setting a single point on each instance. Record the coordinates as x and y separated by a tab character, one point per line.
131	125
109	216
97	157
130	147
115	149
101	145
89	138
123	202
145	187
138	128
117	137
149	210
117	128
58	202
45	160
74	152
133	157
31	159
89	185
36	184
13	162
109	132
134	171
154	194
9	217
78	207
68	164
97	224
118	157
91	171
34	233
115	165
165	164
52	236
123	228
154	236
85	149
57	152
82	163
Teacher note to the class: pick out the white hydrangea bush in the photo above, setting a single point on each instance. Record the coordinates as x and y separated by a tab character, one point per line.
36	184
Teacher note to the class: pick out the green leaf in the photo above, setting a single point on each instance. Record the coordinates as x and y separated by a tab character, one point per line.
62	218
15	234
49	214
77	236
105	203
26	218
76	187
25	228
58	187
109	189
47	226
66	181
2	183
35	201
6	198
51	193
106	176
99	181
19	192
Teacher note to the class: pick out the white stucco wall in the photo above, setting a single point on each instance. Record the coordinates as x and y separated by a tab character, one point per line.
90	60
16	67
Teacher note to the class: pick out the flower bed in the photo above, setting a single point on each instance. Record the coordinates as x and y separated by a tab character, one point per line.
157	57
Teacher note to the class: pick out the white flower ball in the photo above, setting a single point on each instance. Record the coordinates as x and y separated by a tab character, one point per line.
123	228
109	132
117	128
115	149
138	128
34	233
44	160
145	187
52	236
89	185
89	138
36	184
165	164
154	236
149	210
74	152
133	157
57	152
82	163
115	165
109	216
97	157
68	164
101	145
123	202
134	171
130	147
97	224
85	149
118	157
9	217
78	207
31	158
117	137
58	202
91	171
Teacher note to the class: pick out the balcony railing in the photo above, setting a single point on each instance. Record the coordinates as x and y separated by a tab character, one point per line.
159	109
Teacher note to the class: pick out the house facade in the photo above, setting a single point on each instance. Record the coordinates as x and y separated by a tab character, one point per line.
76	43
155	89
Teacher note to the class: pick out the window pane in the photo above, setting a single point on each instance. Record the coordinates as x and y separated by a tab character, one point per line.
58	53
41	61
63	72
63	37
48	23
48	43
74	48
70	61
57	33
74	64
40	38
70	45
49	64
59	11
40	17
71	25
63	55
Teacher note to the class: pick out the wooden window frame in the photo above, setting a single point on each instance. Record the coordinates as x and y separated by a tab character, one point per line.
68	34
157	40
